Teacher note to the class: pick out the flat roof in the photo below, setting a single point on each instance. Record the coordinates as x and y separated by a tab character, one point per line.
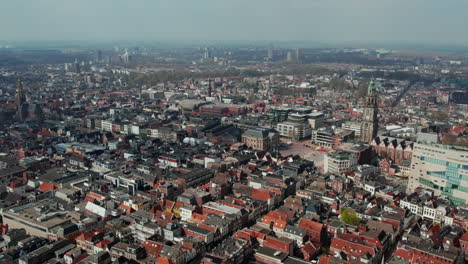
222	207
341	155
31	213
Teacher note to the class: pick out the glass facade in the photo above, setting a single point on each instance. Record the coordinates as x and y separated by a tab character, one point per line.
451	176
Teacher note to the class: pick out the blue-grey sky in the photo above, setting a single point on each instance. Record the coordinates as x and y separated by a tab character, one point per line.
397	21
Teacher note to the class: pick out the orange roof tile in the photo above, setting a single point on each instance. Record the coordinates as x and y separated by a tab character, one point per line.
310	225
261	194
47	187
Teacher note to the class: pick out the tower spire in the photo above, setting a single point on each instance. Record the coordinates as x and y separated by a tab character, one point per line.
371	88
20	101
209	87
20	96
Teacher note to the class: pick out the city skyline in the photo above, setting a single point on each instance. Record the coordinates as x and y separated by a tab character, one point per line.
234	132
330	22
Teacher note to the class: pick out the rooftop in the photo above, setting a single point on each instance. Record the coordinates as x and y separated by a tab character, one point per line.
341	155
44	213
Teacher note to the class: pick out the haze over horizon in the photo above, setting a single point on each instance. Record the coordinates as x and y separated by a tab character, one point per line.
339	21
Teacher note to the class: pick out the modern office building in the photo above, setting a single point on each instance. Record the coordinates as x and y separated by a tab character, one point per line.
354	126
316	119
328	137
294	130
442	168
278	114
130	182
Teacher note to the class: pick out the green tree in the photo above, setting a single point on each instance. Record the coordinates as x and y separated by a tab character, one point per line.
349	217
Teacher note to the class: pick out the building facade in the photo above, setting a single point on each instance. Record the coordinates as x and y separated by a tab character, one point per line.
293	130
395	149
442	168
261	139
354	126
339	162
328	137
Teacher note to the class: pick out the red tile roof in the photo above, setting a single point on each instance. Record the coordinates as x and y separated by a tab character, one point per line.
207	227
309	249
352	245
464	238
163	260
103	244
152	247
244	235
47	187
127	209
310	225
261	194
199	217
282	244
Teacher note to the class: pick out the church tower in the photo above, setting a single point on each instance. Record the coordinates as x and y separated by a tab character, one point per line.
20	101
209	87
369	119
20	96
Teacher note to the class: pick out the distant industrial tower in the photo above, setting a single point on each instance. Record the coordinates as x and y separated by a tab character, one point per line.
289	56
369	124
126	56
207	54
98	56
298	54
76	67
270	52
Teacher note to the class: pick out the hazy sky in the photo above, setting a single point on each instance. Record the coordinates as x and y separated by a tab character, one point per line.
398	21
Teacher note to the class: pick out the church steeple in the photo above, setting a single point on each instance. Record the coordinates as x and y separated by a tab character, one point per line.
369	124
209	87
20	96
20	101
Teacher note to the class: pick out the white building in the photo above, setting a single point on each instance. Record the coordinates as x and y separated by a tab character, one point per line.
186	212
353	126
130	182
441	168
106	125
339	162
